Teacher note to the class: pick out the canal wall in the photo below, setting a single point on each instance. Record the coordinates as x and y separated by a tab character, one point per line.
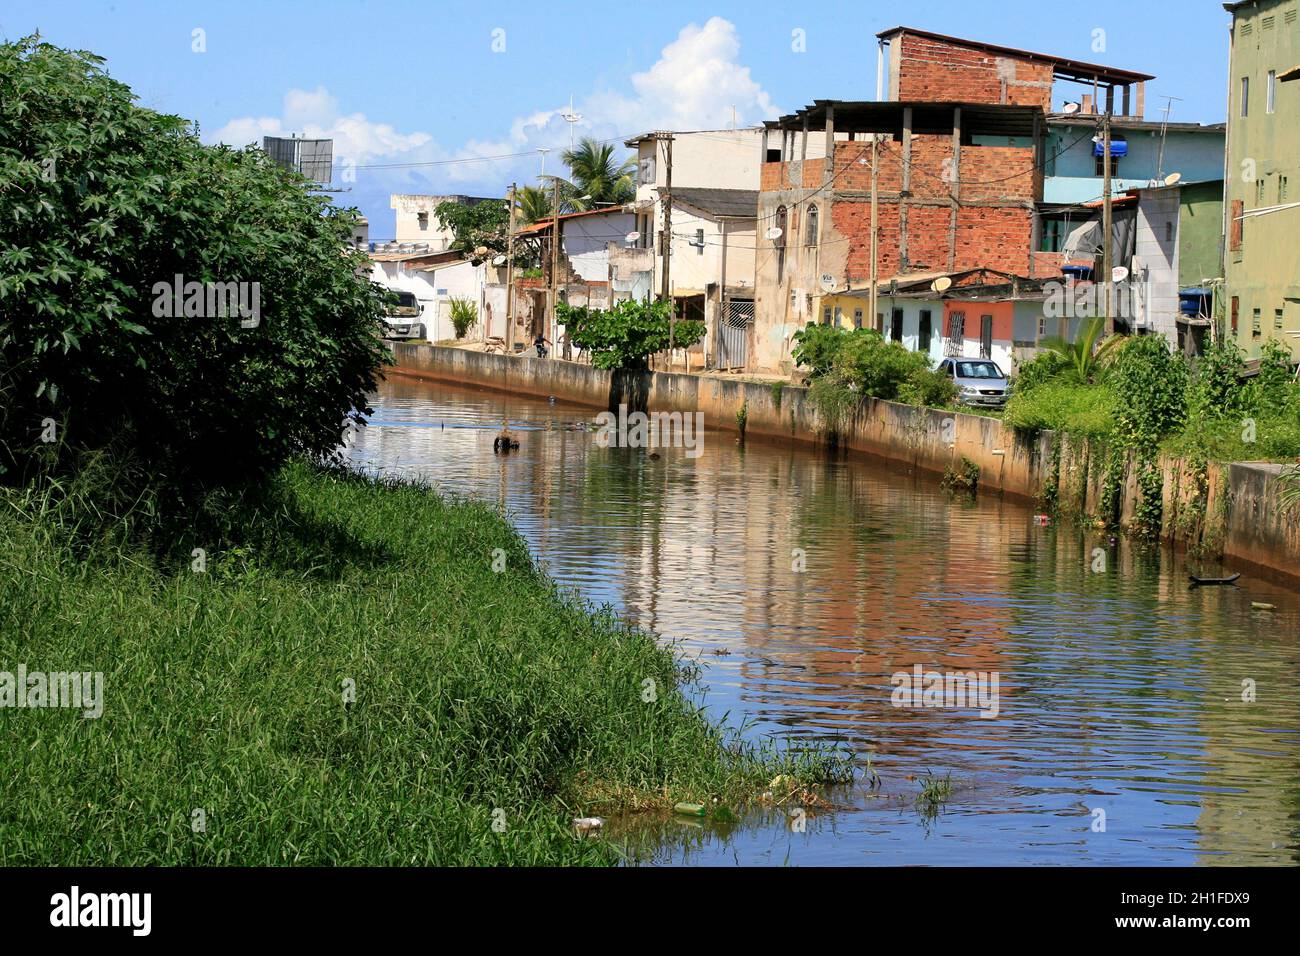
923	438
1213	509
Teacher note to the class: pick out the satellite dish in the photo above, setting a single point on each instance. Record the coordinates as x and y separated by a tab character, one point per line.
1173	179
499	261
1070	108
828	281
773	233
632	237
941	284
1118	274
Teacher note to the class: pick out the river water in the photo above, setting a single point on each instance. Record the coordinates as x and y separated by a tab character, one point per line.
1138	721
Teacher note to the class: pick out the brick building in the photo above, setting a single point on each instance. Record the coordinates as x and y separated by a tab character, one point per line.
961	144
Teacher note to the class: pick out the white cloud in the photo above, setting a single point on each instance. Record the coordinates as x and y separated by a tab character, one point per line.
694	84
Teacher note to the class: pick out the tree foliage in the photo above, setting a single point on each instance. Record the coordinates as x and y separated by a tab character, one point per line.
479	230
100	202
596	178
627	335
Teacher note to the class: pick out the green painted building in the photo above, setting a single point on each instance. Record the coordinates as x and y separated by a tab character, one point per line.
1262	198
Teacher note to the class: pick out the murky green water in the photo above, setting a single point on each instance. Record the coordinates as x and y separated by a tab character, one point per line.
1120	691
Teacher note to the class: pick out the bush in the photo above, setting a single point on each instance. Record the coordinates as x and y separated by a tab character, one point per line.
104	204
1151	383
625	336
1082	410
927	387
1044	367
815	347
877	368
463	315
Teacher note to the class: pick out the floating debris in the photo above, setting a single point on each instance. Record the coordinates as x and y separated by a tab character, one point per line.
1262	606
690	809
588	824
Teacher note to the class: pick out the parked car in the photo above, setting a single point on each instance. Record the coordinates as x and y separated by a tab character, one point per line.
979	381
401	320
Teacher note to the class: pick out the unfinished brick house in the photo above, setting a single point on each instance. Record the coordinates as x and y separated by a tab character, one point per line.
961	146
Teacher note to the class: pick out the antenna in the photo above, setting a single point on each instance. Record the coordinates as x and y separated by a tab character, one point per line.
543	150
572	118
1164	128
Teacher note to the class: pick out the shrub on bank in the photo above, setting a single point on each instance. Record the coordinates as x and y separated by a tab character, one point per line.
196	308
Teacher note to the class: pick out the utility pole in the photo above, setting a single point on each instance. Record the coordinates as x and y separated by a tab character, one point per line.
875	165
510	277
1106	224
666	236
555	254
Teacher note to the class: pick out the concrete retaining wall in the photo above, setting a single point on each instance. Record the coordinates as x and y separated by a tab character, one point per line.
1223	509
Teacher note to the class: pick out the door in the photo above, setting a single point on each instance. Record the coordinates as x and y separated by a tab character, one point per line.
733	333
923	341
896	326
986	336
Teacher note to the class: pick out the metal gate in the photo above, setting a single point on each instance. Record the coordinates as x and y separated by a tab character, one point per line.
733	333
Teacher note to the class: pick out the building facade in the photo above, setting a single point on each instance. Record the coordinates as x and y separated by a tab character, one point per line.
1262	196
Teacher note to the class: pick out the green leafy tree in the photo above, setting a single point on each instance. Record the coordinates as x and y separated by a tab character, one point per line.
626	336
103	204
479	230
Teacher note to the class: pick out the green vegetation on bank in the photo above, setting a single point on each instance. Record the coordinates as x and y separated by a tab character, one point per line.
224	690
847	365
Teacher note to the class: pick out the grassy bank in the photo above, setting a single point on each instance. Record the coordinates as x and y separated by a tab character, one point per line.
224	692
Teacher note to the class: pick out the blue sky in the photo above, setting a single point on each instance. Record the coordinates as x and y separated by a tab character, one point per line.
420	82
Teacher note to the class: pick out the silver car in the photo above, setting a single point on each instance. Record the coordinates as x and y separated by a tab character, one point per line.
979	381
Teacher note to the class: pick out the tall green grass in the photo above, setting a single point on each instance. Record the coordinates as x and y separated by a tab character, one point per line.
475	691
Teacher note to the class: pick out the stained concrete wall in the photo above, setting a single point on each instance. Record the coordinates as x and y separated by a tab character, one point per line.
1228	509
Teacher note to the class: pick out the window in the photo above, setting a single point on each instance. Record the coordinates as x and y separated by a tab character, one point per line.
423	220
646	223
1270	92
1245	96
1235	227
826	316
1277	318
1114	166
699	242
957	326
1281	189
857	318
782	221
1042	326
810	235
1259	192
839	314
1255	323
1236	311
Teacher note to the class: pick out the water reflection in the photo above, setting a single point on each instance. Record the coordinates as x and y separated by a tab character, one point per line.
1120	691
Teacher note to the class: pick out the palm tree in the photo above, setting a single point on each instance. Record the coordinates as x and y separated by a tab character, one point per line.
596	179
534	203
1083	354
1290	488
